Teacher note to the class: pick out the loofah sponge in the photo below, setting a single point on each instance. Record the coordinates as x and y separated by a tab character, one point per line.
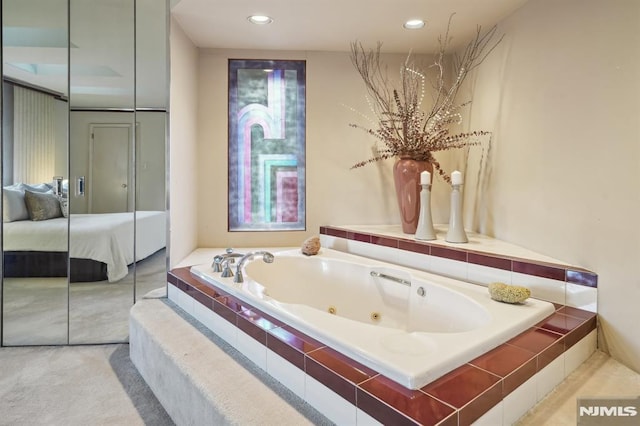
311	246
508	293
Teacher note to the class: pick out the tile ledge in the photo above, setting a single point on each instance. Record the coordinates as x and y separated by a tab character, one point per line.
478	244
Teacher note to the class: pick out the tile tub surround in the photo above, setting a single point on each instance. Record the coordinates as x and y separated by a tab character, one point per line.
482	260
361	395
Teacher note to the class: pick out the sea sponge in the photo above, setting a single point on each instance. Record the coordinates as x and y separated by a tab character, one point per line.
311	246
508	293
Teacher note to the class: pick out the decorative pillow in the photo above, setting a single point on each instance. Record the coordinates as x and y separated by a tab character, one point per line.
14	207
40	187
64	206
42	206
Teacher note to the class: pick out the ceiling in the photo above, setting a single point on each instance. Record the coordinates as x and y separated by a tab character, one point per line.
88	50
330	25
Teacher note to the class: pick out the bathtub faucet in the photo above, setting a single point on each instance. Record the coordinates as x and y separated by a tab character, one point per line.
220	258
266	257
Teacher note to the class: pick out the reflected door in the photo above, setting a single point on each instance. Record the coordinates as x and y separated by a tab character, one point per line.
109	170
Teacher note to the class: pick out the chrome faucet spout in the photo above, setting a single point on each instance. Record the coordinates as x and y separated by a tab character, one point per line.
266	258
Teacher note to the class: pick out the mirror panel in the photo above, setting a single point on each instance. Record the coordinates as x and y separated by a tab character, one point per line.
152	120
103	65
102	143
34	172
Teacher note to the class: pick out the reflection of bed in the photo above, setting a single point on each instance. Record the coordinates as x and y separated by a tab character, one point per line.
100	245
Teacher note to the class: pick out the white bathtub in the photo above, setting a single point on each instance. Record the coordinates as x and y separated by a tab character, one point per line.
386	325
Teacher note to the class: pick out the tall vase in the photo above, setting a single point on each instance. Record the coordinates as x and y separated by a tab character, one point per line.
406	176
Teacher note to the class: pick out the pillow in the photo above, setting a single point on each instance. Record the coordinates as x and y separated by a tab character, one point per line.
64	206
40	187
42	206
14	207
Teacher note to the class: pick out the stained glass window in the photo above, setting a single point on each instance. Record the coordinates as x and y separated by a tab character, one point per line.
266	145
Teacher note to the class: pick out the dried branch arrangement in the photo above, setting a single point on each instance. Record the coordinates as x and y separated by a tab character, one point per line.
403	127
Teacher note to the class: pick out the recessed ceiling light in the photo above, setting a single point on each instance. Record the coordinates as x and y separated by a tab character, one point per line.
414	24
260	19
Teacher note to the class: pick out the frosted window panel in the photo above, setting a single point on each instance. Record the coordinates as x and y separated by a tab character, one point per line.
266	145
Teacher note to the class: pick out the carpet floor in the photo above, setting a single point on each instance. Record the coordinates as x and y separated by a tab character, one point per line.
75	385
48	311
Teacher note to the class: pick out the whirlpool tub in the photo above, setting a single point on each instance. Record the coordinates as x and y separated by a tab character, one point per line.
408	325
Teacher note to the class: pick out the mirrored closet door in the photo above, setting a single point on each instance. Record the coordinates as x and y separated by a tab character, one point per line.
104	64
34	172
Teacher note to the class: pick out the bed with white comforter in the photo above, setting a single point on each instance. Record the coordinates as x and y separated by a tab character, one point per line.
106	237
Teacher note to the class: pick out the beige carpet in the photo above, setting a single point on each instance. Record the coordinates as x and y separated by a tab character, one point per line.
599	376
75	385
36	309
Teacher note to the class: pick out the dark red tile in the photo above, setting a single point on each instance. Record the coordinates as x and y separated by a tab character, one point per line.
384	241
452	420
503	360
182	273
204	299
213	290
392	404
227	308
516	378
480	405
254	324
552	352
291	344
490	261
322	230
296	339
559	323
546	344
210	291
414	246
462	385
183	286
338	384
515	365
535	340
193	291
576	313
342	365
539	270
336	371
358	236
577	334
334	232
449	253
582	277
250	328
171	278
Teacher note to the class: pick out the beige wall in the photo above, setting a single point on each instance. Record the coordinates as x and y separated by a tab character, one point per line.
335	194
184	184
562	96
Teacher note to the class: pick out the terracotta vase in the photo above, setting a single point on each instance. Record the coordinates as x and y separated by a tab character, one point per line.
406	176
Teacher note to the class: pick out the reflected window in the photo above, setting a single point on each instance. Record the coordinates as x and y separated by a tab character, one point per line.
266	145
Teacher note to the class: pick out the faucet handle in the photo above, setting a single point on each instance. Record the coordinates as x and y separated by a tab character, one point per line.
217	259
216	264
226	268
